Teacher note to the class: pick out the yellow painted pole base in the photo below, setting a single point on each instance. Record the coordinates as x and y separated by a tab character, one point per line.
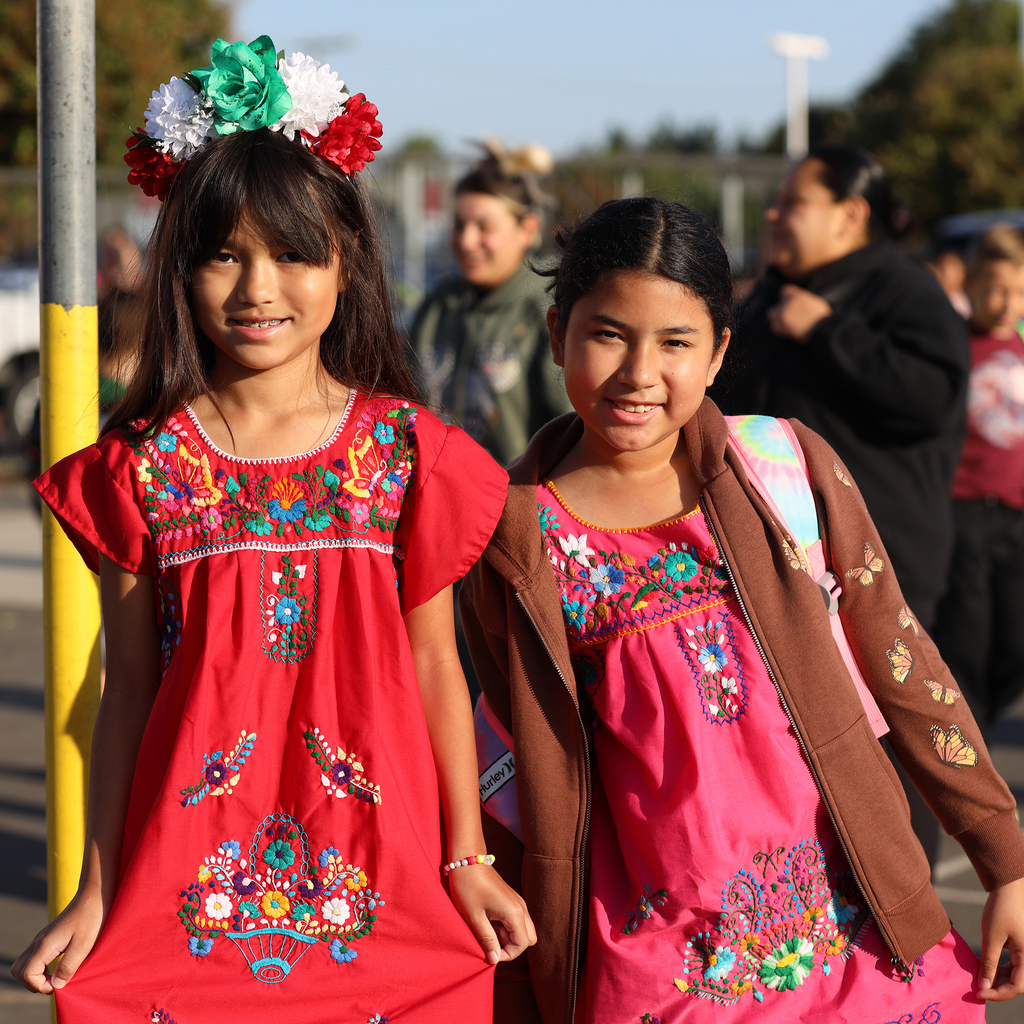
70	420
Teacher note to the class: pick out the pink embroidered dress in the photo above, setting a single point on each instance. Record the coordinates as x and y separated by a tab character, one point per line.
719	889
282	846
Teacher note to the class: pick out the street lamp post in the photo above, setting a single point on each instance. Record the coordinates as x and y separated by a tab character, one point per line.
68	415
798	50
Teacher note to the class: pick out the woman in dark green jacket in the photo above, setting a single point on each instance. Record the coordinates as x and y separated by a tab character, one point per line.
481	335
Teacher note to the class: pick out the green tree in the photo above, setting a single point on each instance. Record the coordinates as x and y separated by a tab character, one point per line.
945	117
667	138
138	46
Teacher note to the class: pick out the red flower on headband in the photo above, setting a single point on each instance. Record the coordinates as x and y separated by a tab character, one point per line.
350	140
152	170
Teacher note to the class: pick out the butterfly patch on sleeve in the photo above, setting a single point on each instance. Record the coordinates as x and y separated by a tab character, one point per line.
791	556
901	661
942	694
906	619
840	475
865	574
952	748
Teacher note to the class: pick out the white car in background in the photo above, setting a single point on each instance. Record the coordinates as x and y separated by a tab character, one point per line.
19	351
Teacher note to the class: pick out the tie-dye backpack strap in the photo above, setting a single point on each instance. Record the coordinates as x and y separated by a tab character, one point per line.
496	763
771	454
776	468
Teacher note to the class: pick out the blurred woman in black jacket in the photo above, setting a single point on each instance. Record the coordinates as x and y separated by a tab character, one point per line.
849	336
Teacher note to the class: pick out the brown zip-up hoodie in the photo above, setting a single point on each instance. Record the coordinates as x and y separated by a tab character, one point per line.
516	632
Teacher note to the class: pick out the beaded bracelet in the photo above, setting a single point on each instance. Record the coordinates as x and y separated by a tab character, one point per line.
480	858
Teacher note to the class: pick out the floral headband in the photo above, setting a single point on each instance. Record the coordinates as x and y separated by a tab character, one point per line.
250	86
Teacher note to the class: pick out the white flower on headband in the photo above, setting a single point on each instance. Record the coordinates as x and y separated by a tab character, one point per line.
179	118
317	96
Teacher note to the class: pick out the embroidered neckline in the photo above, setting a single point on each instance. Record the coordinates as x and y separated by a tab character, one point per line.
281	458
550	484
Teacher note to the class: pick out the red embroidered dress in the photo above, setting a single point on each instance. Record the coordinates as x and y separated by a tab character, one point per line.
282	845
718	887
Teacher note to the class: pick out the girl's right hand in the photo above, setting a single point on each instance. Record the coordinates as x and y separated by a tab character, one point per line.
73	933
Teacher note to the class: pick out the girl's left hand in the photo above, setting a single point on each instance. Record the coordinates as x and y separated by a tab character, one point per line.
797	313
1002	924
496	913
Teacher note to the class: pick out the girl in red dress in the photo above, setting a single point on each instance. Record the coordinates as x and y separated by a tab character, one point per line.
283	710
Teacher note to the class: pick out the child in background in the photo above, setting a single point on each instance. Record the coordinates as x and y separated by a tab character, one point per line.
980	626
284	711
705	814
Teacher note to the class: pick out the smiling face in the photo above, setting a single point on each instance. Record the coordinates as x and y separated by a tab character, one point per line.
489	240
808	227
262	306
638	353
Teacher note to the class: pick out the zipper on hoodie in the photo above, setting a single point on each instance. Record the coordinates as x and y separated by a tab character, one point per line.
581	915
897	961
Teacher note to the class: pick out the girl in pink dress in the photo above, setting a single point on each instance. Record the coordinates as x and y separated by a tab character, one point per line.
283	711
737	837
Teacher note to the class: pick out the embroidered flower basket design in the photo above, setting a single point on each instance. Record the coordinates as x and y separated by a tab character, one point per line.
274	905
160	1016
646	905
289	611
195	509
221	771
271	952
780	921
341	774
713	658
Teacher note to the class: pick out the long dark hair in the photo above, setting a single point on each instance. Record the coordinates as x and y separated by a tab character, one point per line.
648	235
291	198
852	171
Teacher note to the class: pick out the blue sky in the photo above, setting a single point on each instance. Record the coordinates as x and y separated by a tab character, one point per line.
562	72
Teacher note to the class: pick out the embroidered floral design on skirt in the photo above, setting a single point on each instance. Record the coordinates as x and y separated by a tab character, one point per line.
930	1015
712	655
645	907
779	922
273	907
221	771
170	620
342	773
289	612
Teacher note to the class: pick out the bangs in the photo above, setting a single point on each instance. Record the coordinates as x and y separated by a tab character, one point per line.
276	186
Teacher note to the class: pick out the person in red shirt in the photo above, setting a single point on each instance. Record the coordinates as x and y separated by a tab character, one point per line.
980	622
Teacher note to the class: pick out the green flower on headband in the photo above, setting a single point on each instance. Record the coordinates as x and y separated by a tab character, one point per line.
244	85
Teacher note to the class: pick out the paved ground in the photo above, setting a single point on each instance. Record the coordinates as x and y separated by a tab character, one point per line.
22	787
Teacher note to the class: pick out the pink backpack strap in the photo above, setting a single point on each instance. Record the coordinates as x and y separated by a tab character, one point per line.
777	469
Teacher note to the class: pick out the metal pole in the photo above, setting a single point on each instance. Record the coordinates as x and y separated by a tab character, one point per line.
798	50
632	184
1020	33
732	219
69	413
415	241
796	108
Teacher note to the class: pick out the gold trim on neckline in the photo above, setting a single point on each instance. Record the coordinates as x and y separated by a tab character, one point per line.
550	484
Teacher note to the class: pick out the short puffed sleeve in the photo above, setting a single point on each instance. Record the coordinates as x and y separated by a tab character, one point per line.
92	496
453	503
